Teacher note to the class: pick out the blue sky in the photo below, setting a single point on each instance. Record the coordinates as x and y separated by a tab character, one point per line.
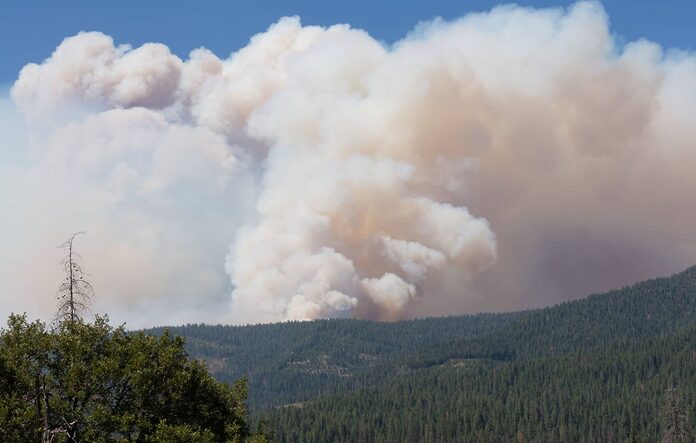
31	29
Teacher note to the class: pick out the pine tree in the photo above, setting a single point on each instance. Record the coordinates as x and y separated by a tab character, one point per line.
673	418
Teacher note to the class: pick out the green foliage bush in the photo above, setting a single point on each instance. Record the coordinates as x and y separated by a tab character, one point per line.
91	382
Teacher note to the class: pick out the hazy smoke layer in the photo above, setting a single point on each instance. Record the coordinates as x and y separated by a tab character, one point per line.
500	161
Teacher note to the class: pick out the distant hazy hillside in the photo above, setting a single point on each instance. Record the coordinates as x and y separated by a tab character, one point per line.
588	370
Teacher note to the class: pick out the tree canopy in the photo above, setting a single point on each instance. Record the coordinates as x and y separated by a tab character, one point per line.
79	381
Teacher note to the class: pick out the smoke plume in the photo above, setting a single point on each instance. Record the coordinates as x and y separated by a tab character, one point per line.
503	160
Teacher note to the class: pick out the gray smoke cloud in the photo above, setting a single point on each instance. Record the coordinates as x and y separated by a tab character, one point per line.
504	160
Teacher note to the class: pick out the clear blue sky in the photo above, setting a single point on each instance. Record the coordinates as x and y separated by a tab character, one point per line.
30	29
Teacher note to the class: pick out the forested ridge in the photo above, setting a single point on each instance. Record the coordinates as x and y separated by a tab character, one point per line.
588	370
614	395
294	361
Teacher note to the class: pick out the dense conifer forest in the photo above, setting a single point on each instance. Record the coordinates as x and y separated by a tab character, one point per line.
590	370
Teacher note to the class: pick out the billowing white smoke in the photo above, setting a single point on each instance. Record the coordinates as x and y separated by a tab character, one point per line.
354	179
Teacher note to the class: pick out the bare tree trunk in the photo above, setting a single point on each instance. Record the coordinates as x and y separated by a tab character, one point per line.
39	412
75	291
47	435
71	301
674	418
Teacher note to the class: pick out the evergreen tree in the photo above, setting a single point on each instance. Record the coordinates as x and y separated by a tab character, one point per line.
673	418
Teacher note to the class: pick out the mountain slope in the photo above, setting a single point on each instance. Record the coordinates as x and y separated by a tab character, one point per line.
607	396
295	361
587	370
647	309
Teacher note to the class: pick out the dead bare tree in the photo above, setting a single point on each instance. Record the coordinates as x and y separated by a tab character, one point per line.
674	418
75	292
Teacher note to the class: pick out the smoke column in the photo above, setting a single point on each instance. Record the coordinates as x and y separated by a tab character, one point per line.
505	160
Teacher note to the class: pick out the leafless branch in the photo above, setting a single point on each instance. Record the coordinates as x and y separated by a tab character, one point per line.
74	292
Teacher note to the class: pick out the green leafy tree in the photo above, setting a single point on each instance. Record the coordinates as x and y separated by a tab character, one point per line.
94	383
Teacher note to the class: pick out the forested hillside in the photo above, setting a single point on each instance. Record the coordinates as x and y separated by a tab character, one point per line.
613	395
589	370
295	361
